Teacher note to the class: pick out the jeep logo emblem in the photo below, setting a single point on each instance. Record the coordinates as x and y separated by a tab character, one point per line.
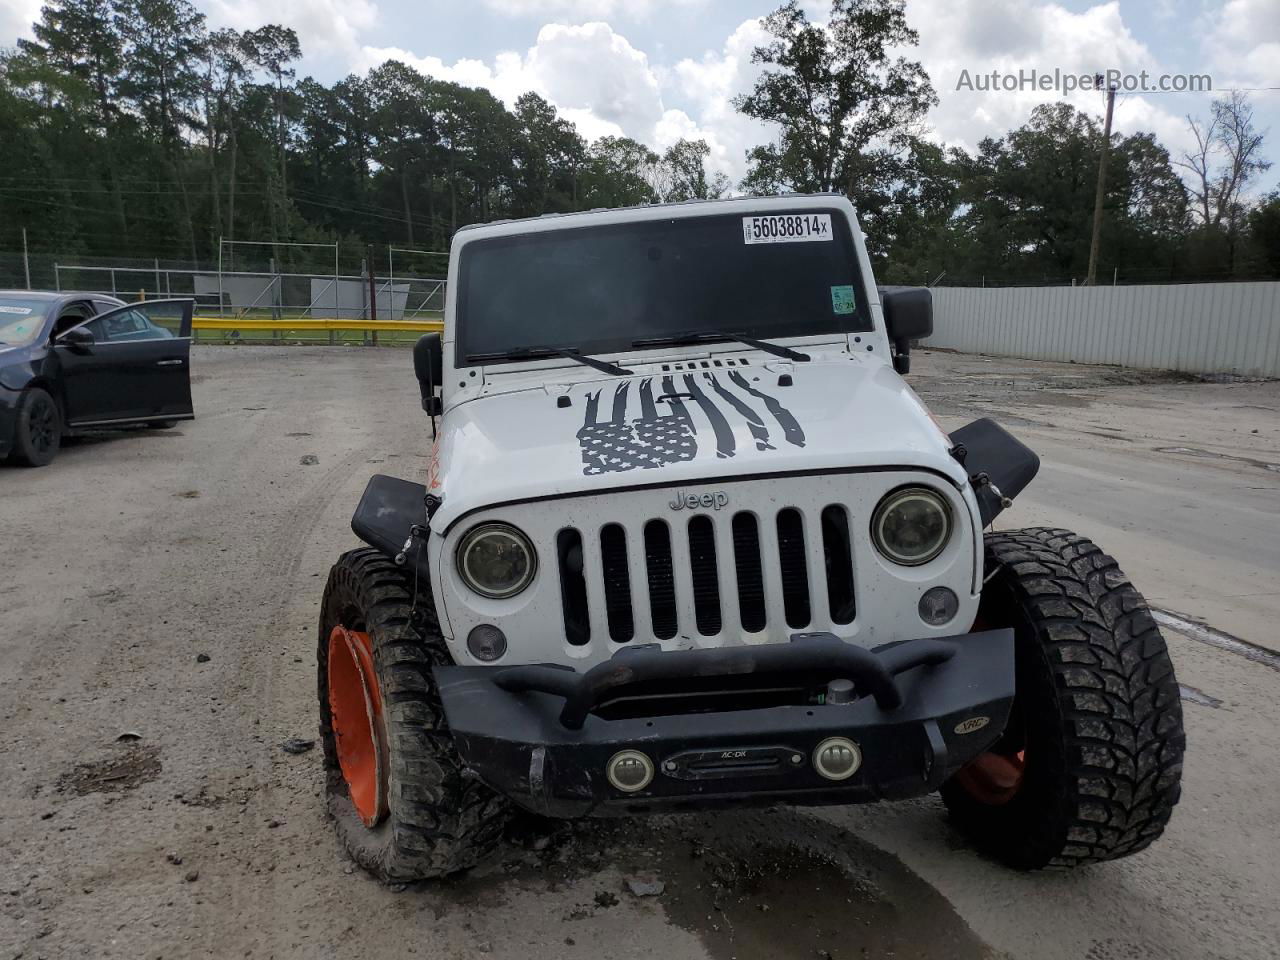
692	501
972	725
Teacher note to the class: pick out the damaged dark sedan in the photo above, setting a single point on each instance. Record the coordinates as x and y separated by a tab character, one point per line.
74	361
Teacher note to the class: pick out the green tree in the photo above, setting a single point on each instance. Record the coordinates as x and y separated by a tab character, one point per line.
684	173
549	158
165	40
1264	234
835	92
618	173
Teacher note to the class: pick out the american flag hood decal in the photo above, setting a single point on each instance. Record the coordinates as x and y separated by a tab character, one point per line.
681	429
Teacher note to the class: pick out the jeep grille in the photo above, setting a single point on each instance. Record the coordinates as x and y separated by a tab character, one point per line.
685	566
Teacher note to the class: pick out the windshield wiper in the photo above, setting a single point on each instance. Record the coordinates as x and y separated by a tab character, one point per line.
684	339
531	353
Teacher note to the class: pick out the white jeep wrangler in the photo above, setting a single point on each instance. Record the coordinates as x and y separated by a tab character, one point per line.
689	540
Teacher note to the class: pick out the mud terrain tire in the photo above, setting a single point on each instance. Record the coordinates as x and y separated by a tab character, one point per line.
439	819
1097	714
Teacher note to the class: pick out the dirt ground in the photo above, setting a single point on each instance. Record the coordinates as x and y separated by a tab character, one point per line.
160	592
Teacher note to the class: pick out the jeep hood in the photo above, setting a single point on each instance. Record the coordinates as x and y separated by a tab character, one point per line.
681	427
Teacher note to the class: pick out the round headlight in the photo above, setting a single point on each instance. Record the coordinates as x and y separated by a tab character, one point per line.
911	525
496	560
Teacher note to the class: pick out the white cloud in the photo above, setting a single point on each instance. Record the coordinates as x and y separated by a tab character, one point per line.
583	9
16	17
325	28
709	84
592	74
592	67
1243	45
1023	35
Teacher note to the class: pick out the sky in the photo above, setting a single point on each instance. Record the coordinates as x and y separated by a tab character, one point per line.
659	70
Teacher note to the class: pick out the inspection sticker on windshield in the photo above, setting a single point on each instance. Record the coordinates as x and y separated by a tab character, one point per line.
842	301
787	228
17	311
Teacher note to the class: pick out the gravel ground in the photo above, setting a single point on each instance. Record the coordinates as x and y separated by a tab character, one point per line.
161	593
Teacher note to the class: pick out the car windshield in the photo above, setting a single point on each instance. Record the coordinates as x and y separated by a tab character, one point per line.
21	320
599	289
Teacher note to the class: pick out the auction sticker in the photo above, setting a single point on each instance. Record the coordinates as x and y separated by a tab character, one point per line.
18	311
787	228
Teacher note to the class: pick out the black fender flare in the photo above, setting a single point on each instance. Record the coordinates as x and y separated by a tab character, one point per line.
1000	466
392	518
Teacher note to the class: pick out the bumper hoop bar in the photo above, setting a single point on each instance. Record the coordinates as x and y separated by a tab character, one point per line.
807	655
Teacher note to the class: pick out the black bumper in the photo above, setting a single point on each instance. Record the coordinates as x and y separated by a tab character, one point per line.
922	710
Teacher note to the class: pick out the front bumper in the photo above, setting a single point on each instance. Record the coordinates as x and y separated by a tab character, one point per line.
922	709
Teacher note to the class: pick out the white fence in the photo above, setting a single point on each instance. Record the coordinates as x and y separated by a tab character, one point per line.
1229	328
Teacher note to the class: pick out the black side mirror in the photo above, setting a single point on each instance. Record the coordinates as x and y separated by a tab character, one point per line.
908	315
78	339
428	364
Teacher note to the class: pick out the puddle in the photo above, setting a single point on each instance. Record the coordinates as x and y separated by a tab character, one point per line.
125	771
831	897
1209	455
780	885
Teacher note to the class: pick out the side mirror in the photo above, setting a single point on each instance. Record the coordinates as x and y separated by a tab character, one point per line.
908	315
78	339
428	365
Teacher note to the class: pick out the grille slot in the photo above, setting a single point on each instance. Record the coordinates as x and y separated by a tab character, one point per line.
706	576
744	572
617	582
746	559
837	550
662	585
794	569
573	587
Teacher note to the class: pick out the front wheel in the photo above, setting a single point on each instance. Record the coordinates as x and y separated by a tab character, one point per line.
1090	766
38	429
403	804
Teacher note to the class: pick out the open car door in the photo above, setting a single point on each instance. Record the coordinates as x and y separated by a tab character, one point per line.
128	365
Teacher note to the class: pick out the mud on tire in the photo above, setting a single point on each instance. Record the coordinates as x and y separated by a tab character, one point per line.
1097	711
440	820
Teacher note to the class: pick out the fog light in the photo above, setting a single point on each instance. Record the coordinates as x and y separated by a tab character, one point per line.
486	642
630	771
837	758
938	606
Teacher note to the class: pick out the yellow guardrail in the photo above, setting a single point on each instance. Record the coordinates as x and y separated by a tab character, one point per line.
322	324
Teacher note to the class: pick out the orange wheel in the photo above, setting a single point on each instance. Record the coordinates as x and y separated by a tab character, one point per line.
359	733
399	795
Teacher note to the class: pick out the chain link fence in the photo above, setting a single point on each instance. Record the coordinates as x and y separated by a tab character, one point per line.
260	288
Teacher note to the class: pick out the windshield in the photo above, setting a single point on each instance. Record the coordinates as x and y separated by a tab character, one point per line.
598	289
21	320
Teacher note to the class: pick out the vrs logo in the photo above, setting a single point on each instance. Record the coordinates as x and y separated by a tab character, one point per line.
972	725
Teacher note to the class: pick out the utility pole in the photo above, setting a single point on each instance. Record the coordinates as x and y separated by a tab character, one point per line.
26	263
1102	184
